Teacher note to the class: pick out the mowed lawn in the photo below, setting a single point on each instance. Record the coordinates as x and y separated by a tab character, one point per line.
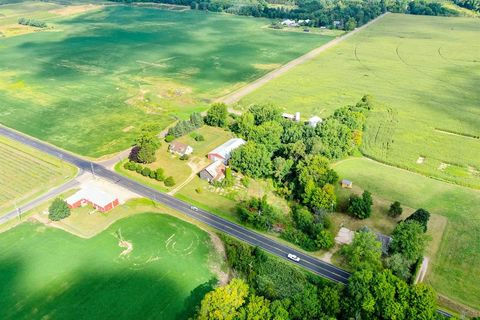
49	273
91	82
425	74
455	267
26	173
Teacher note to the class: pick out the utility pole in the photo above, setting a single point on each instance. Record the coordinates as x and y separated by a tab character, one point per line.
93	171
17	209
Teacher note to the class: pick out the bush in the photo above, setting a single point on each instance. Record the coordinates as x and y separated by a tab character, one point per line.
169	138
198	190
421	216
152	174
199	137
159	174
58	210
361	207
139	168
184	157
169	182
146	172
395	209
245	181
324	240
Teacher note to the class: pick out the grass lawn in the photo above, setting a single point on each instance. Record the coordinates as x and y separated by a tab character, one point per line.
49	273
89	83
27	173
458	256
424	71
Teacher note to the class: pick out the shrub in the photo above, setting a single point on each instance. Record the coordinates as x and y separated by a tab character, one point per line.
169	182
58	210
199	137
361	207
421	216
152	174
184	157
159	174
146	172
198	190
324	240
169	138
395	209
139	168
245	181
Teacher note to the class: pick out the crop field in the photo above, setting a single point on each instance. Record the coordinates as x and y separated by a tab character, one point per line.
90	81
162	273
26	173
458	257
425	74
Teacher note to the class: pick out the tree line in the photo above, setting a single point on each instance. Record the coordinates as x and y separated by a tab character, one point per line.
32	22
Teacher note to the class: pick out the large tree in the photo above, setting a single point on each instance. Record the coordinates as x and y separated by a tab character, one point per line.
364	252
361	207
58	210
252	159
217	115
421	216
409	240
146	145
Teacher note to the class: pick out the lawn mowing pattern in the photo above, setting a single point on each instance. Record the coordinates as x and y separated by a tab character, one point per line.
25	173
424	71
90	84
47	272
457	264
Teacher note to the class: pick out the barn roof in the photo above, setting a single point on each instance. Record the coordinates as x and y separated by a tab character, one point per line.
225	149
92	194
216	170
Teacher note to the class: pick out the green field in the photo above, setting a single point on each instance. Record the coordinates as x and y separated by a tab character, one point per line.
89	84
26	173
425	71
458	258
47	273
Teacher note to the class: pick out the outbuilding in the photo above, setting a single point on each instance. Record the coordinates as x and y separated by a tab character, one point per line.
224	151
99	199
313	121
213	172
347	184
180	148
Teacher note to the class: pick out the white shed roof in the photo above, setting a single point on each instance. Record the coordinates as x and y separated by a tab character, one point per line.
225	149
92	194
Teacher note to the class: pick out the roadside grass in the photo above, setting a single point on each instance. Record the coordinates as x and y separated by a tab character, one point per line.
458	255
424	74
27	173
162	276
82	91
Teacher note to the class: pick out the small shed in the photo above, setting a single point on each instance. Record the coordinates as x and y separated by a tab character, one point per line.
313	121
213	172
347	184
180	148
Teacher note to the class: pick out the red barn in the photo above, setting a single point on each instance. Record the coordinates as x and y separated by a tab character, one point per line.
99	199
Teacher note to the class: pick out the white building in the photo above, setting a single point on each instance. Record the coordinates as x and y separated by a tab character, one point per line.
224	151
289	23
313	121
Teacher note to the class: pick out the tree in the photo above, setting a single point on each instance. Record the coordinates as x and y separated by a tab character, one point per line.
399	266
422	302
196	119
325	240
252	159
351	24
257	308
321	198
146	145
361	207
264	113
268	133
58	210
217	115
169	182
421	216
223	303
281	168
364	253
409	240
159	174
395	209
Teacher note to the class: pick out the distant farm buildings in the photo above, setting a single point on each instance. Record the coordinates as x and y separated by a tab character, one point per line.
99	199
347	184
293	23
223	152
214	171
180	148
313	121
293	117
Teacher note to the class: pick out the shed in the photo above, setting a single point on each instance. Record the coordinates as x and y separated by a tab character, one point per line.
213	172
224	151
347	184
313	121
180	148
99	199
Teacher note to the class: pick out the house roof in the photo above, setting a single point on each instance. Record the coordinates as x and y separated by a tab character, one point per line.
216	169
92	194
178	147
225	149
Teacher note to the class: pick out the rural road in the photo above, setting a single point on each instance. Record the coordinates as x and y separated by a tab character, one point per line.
252	86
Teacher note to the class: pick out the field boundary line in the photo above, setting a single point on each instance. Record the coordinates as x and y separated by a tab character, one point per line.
235	96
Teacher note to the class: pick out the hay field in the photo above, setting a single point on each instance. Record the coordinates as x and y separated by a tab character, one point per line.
458	256
426	73
49	273
89	83
26	173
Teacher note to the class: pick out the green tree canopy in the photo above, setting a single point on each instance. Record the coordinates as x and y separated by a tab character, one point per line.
395	209
409	240
58	210
217	115
421	216
364	253
252	159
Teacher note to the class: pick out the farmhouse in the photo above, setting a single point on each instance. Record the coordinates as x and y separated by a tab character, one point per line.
213	172
293	117
313	121
289	23
347	184
224	151
99	199
180	148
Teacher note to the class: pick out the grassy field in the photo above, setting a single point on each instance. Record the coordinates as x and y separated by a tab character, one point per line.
89	82
458	256
425	73
49	273
26	173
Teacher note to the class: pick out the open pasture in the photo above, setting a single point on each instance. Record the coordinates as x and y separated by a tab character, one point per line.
92	81
26	173
148	266
458	256
425	71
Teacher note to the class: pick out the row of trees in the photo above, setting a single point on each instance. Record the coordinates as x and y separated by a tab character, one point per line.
372	292
146	145
468	4
186	126
158	174
32	22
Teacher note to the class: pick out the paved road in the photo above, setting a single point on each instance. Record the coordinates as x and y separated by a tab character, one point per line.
252	86
319	267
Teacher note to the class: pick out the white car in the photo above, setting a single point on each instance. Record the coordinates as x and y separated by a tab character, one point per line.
293	257
193	208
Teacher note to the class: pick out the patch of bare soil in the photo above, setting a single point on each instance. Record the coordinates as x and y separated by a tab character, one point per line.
223	277
71	10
